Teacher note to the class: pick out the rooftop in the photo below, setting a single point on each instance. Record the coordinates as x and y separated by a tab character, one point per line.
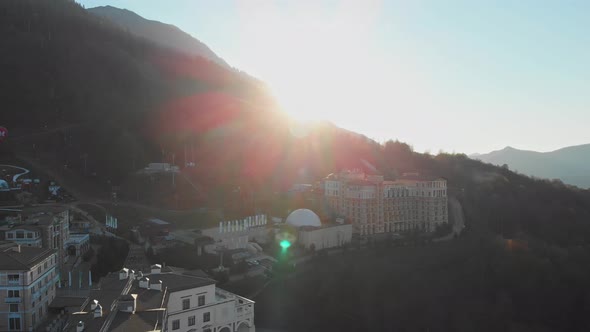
157	221
23	227
324	225
140	321
44	209
151	303
419	177
109	289
42	219
24	259
360	183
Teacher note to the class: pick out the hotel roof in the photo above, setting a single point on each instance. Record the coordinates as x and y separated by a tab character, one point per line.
28	257
149	312
139	321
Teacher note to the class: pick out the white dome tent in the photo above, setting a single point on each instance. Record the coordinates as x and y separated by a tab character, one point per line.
311	234
303	217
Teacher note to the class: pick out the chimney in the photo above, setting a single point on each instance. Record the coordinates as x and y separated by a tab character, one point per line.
156	268
128	303
131	274
156	285
98	311
80	326
144	283
124	274
93	304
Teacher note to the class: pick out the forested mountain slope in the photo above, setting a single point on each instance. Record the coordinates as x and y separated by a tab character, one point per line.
75	85
570	164
160	33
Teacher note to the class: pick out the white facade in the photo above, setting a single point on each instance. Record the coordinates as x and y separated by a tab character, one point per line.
236	234
25	236
325	237
303	217
208	309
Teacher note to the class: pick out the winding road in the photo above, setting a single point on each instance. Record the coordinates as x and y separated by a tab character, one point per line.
16	176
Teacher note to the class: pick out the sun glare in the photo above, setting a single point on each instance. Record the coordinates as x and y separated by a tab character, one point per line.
310	53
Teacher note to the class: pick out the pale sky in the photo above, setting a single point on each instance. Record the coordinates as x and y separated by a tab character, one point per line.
459	76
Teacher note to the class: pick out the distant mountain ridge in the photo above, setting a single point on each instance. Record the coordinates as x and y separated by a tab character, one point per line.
570	164
163	34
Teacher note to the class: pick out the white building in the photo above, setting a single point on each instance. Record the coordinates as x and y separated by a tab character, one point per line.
163	301
236	234
326	236
28	280
312	234
25	235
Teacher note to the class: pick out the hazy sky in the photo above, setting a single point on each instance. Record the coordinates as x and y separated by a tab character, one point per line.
463	76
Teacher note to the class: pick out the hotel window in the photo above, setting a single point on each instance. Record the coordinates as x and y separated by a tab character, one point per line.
201	300
206	317
186	303
191	321
176	324
20	235
13	307
13	277
14	323
13	293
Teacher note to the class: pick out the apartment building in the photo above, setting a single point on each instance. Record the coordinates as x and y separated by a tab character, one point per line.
375	206
25	235
53	222
28	280
163	300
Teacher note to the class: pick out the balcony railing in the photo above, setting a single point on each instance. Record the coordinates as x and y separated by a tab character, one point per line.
12	300
14	281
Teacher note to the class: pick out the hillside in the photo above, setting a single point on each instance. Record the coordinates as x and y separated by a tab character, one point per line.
166	35
122	102
571	164
95	89
81	89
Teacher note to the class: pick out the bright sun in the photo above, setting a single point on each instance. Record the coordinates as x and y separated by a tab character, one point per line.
317	58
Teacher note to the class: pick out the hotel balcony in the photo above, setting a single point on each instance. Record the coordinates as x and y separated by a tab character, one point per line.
12	300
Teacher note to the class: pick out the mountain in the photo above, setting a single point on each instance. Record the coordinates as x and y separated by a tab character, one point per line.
163	34
83	98
571	164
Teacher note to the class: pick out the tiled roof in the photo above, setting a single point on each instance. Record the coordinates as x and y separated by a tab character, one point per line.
23	260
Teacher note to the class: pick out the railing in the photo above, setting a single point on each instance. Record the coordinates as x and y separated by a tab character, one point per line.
244	311
12	300
14	281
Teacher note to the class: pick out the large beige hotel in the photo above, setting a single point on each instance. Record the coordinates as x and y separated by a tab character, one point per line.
375	206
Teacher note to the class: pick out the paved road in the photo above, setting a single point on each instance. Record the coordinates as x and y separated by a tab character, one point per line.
458	221
136	259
